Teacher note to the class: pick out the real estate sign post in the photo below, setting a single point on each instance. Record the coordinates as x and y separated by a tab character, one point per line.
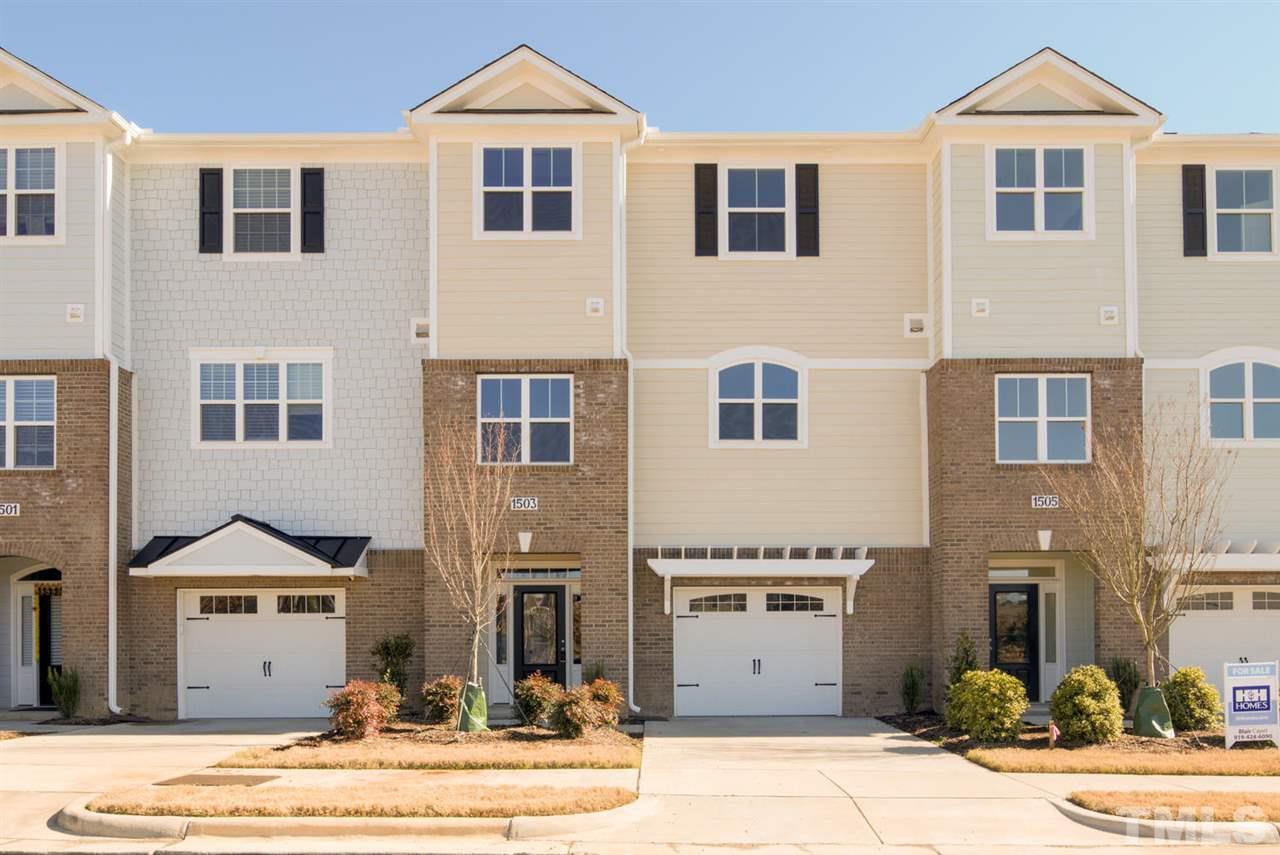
1249	690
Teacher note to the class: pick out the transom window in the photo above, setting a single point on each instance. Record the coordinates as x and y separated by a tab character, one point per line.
260	403
262	210
28	422
1244	401
757	403
756	206
719	603
1244	207
1209	601
1040	189
525	419
306	604
1042	419
527	189
231	604
28	191
785	602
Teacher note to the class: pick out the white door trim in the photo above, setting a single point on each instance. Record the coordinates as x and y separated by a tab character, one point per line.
1057	584
17	590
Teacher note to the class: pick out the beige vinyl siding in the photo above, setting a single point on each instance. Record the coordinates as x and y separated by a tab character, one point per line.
1045	294
1252	502
481	281
1193	306
857	483
119	213
847	303
936	254
40	280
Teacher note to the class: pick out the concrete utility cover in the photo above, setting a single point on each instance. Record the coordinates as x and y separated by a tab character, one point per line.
217	780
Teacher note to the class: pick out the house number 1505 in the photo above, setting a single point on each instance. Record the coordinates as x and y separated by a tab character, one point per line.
1045	502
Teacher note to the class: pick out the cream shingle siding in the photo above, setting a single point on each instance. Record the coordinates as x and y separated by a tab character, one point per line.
1045	294
1193	306
858	481
936	254
481	281
847	303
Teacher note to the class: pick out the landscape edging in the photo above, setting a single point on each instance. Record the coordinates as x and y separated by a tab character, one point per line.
1172	829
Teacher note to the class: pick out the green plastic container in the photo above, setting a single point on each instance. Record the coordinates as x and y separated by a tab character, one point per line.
475	710
1151	717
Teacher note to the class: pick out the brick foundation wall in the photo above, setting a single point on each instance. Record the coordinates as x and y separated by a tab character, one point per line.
889	628
978	507
582	507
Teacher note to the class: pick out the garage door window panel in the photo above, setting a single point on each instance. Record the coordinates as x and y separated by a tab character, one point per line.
736	602
1266	601
787	602
1209	601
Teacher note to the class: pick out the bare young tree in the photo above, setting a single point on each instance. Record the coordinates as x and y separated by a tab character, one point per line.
467	503
1149	511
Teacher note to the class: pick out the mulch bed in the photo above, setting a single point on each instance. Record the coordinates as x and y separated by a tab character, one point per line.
420	732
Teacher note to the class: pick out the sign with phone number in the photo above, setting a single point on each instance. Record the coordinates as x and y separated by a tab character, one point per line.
1250	690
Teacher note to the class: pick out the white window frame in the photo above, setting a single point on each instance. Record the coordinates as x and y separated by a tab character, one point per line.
9	427
10	194
1247	402
1211	208
527	189
524	421
1042	419
229	213
801	402
1087	231
788	212
259	355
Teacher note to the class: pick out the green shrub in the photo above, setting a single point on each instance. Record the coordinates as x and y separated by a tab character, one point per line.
441	698
393	654
356	710
535	695
65	685
1086	706
1124	673
912	687
1193	701
576	711
390	698
987	705
963	660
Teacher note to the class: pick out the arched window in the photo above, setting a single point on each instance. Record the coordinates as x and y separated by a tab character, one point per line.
719	603
757	403
1244	401
778	601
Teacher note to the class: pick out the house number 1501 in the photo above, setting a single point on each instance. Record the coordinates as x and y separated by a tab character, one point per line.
10	509
524	503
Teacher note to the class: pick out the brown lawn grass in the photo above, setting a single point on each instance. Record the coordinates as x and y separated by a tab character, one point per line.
406	745
1181	804
369	800
9	734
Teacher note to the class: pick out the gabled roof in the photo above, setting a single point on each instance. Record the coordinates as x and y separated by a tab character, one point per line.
1049	84
31	91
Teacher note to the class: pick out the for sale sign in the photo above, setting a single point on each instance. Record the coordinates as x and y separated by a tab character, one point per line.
1250	695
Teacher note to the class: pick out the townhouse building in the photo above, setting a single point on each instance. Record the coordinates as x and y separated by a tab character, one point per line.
777	405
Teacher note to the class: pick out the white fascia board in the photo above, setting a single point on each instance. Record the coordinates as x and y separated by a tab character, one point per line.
242	528
675	568
1238	562
245	572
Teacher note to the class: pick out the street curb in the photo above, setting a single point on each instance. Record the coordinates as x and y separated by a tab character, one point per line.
1172	829
78	819
528	827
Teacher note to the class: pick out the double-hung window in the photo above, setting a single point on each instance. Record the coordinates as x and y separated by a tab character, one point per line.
263	211
261	402
1244	402
528	191
1244	210
29	189
758	204
28	422
1040	191
525	419
1042	419
757	404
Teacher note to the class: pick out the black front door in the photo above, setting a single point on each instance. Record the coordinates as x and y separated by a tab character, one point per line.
1015	634
539	624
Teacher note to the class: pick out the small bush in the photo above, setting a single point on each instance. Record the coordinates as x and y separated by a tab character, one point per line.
390	698
1086	706
987	705
441	698
963	660
535	695
609	697
595	671
1124	673
912	687
356	710
393	654
576	711
65	685
1193	701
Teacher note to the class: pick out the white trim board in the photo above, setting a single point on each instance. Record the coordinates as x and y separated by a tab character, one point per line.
850	569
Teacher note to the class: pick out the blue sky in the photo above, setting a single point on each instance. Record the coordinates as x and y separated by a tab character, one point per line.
271	65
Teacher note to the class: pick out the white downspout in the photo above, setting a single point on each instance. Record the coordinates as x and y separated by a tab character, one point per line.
113	536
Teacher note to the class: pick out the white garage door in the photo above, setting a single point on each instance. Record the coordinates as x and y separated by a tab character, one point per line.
757	651
258	653
1221	625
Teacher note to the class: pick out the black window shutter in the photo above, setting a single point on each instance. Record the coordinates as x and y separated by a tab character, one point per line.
806	209
312	209
211	210
706	228
1195	221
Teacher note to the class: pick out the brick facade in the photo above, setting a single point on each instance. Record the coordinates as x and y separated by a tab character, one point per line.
582	507
978	506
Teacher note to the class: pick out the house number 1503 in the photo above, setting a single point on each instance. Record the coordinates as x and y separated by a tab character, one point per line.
524	503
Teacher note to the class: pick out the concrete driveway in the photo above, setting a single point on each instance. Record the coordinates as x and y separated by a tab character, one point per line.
40	774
